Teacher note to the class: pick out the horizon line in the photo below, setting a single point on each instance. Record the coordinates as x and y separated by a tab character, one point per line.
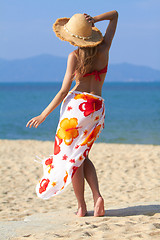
47	54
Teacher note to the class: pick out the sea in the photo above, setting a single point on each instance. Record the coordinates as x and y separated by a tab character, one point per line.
132	112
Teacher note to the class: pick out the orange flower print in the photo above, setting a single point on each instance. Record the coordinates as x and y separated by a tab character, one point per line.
80	158
43	185
91	137
68	130
85	132
50	167
66	176
84	96
53	184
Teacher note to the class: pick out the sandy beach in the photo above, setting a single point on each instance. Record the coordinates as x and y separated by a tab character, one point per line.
129	182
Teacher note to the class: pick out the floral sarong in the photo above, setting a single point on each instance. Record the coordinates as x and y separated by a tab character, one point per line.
81	120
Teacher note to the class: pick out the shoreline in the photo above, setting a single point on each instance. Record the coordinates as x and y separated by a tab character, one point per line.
108	143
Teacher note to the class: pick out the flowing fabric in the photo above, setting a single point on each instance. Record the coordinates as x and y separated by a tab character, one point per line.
81	120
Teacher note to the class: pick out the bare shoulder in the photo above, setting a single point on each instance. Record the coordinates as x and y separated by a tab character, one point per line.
72	56
71	62
103	51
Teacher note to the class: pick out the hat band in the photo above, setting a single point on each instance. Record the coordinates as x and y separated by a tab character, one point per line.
74	35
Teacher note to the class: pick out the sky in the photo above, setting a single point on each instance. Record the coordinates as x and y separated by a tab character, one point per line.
26	28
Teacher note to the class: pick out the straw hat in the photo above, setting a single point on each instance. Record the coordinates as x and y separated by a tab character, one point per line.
77	31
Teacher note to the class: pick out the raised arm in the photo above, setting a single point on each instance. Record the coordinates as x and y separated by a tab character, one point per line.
69	75
112	16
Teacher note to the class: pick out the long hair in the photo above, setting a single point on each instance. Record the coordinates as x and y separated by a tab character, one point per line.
85	58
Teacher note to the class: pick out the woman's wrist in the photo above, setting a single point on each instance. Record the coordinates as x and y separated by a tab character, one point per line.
43	114
93	22
94	19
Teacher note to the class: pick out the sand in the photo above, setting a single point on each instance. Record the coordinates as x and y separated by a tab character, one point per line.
129	182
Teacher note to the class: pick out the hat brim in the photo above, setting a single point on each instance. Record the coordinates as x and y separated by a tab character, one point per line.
58	28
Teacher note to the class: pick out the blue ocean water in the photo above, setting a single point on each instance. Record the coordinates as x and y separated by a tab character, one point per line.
132	112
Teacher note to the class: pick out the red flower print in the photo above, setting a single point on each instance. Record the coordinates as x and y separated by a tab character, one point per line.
64	157
72	160
96	118
69	108
49	161
77	146
57	143
90	106
74	170
85	154
43	185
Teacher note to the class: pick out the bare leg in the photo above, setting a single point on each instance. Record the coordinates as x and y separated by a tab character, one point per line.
91	177
78	186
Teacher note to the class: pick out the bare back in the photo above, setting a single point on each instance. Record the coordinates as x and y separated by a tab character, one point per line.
89	83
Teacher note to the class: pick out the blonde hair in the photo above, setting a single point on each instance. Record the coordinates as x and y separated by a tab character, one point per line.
85	58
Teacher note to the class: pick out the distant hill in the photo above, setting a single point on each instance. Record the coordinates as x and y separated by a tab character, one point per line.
48	68
42	68
125	72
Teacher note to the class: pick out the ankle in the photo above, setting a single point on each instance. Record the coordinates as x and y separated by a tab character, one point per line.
81	211
99	207
81	204
96	196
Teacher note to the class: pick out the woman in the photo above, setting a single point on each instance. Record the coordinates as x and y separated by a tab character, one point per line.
82	111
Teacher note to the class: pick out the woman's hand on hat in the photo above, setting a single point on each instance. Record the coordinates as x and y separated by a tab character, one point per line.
89	19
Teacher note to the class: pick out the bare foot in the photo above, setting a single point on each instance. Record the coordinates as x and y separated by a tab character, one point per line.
99	207
82	211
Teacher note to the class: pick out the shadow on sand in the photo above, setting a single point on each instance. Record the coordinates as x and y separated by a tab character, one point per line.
149	210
